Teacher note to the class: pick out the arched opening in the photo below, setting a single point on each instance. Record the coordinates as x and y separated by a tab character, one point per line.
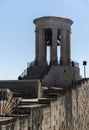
48	42
48	55
58	54
58	45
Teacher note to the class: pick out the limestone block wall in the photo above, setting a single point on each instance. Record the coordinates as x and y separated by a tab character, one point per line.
46	122
14	123
51	117
80	106
69	111
48	117
40	118
58	114
75	109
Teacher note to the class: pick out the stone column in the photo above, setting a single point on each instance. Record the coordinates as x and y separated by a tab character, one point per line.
40	48
63	49
44	53
53	50
68	48
36	46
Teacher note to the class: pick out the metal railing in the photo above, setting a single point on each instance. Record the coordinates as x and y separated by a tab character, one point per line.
29	64
24	73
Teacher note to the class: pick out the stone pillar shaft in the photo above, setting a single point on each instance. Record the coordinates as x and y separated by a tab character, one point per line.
53	55
40	53
68	48
36	46
63	50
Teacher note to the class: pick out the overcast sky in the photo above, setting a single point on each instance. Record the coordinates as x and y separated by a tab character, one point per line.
17	38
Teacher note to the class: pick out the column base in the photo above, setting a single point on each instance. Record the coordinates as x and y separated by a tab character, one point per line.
40	62
54	62
63	61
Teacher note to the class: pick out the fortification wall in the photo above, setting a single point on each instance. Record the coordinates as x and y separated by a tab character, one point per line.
69	111
47	117
23	88
80	105
15	123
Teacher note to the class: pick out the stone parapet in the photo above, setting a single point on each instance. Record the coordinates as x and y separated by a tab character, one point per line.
23	88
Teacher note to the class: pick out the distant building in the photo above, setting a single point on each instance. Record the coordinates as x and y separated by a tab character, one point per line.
48	95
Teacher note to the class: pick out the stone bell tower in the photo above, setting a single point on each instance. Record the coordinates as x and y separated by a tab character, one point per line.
60	71
53	31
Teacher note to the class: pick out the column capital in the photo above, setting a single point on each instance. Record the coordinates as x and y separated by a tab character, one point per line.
68	31
53	28
65	31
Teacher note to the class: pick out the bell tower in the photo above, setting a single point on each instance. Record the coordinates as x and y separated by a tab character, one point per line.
60	71
53	32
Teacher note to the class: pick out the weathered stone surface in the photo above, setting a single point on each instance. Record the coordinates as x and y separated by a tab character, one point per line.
23	88
80	106
61	76
68	112
53	31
